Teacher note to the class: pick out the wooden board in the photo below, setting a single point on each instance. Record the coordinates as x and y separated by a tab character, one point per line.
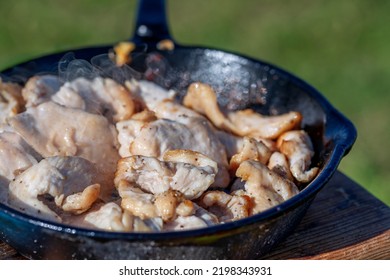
343	222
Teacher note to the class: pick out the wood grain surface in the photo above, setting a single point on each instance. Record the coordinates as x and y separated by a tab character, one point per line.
343	222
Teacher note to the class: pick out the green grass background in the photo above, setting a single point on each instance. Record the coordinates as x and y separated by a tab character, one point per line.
341	47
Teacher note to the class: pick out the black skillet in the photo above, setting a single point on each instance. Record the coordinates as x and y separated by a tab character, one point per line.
241	82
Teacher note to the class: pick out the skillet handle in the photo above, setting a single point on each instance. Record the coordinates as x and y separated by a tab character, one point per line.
151	23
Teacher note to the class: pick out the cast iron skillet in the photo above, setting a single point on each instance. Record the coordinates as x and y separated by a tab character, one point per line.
241	82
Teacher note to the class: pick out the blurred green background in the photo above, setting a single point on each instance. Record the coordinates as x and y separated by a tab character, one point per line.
340	47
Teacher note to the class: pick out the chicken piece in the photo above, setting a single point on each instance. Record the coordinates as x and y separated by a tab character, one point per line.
251	149
99	96
52	130
136	201
154	176
166	204
191	157
249	123
297	147
185	208
165	45
279	164
167	109
203	99
123	53
150	93
145	116
112	217
17	155
200	218
80	202
155	138
146	205
40	89
227	207
265	187
58	178
232	143
127	131
11	101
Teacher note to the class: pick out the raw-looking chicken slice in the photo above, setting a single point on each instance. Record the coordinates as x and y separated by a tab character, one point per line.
227	207
16	155
155	176
297	146
155	138
203	99
250	123
72	182
279	164
264	186
40	89
150	93
98	96
251	149
177	128
200	218
11	100
112	217
52	130
127	131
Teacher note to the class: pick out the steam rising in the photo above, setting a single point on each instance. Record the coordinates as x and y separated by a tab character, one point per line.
70	68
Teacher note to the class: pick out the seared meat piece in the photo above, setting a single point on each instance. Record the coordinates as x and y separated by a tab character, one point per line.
136	201
67	180
80	202
200	218
40	89
145	116
279	164
16	155
123	52
146	205
251	149
166	204
227	207
11	100
203	99
249	123
167	109
264	186
154	176
191	157
297	146
99	96
52	129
